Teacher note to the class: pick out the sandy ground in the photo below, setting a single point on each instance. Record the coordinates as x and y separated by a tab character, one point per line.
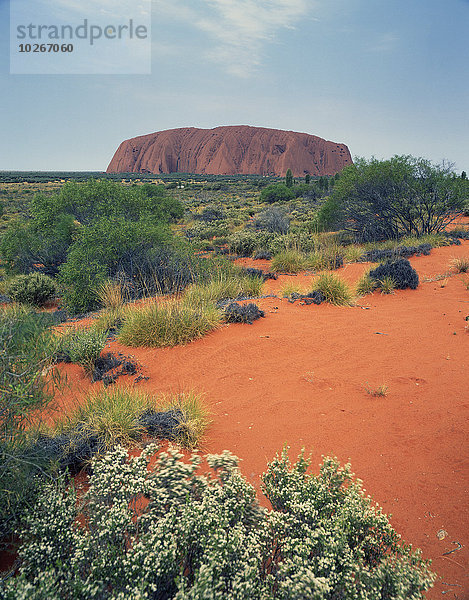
300	377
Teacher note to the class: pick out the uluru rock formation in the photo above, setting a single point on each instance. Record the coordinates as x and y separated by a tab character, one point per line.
232	150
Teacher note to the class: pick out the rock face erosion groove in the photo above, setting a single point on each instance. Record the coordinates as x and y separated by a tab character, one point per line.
231	150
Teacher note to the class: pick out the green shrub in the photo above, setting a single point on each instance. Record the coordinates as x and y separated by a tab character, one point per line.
35	289
27	348
335	290
168	323
277	192
205	535
82	346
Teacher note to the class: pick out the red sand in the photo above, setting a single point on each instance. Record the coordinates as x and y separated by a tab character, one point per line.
300	375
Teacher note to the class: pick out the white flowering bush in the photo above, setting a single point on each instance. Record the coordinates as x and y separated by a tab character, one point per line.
172	532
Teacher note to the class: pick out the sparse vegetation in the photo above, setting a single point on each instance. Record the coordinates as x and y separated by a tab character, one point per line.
380	392
460	265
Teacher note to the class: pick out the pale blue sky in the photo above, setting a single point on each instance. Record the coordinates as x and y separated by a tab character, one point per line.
382	76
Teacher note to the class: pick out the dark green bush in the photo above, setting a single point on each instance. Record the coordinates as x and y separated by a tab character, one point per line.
400	271
277	192
35	289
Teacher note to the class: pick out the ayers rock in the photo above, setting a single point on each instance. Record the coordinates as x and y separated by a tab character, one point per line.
232	150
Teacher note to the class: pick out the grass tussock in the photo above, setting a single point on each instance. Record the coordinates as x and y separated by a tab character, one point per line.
387	285
460	265
114	416
111	295
109	319
289	261
170	323
195	419
335	290
223	287
365	285
111	414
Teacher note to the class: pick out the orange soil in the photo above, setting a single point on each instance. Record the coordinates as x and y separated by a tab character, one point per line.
300	375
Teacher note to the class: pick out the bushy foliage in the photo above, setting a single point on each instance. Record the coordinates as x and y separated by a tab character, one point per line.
27	348
277	192
245	243
242	313
35	289
205	536
274	220
400	271
82	346
378	254
401	196
89	233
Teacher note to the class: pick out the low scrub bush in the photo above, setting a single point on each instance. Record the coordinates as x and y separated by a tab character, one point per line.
246	243
381	254
204	535
81	346
315	297
36	289
242	313
334	289
168	323
400	271
259	273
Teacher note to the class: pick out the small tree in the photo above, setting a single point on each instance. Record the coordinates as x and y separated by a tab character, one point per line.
387	199
289	178
307	179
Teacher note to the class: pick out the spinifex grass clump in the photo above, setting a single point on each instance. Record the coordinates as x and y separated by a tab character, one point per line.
334	289
400	271
365	285
242	313
120	416
169	322
461	265
289	261
204	535
224	286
